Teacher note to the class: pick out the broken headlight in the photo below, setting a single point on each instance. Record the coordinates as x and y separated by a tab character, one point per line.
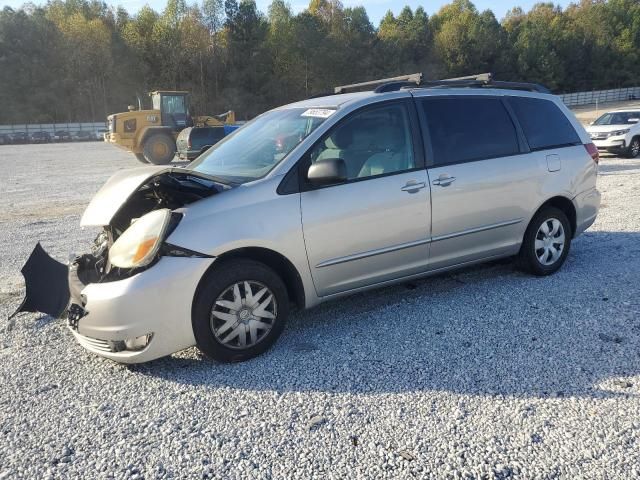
139	243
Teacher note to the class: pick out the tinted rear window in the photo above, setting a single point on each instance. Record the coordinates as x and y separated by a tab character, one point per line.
543	123
214	134
469	128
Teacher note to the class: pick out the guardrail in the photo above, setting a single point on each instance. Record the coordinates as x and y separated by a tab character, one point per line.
52	127
600	96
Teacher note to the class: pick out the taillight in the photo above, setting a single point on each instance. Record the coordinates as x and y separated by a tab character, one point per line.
593	151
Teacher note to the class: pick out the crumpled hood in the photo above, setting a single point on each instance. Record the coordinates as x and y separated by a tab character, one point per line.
113	194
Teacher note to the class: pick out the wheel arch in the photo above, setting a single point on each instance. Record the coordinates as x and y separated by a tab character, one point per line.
272	259
563	204
148	131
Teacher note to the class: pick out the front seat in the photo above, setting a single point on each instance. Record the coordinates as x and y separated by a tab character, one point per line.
337	143
392	155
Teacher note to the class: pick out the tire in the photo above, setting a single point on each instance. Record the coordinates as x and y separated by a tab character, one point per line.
141	158
540	261
214	311
159	149
634	148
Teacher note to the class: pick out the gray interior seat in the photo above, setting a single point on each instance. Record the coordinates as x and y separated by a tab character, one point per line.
336	144
391	156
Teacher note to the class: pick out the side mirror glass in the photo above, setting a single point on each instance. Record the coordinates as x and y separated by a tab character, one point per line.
327	172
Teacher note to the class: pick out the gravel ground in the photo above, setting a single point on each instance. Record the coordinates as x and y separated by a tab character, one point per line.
484	373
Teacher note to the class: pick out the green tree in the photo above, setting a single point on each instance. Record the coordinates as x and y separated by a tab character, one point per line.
466	41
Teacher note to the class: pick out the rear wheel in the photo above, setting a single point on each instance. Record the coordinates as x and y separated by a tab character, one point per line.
141	158
239	311
634	148
159	149
546	242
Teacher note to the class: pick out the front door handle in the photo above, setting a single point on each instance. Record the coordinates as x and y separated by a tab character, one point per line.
412	186
444	181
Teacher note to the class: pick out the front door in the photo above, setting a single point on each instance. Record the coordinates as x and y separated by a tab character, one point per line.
375	226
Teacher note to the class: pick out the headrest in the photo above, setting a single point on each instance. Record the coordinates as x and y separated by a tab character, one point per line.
341	138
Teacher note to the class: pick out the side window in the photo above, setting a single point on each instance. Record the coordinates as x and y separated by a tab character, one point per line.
464	129
374	142
543	123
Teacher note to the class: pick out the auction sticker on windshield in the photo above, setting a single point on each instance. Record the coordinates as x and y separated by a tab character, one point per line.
318	112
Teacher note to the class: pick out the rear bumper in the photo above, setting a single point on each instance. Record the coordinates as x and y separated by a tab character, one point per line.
587	205
117	140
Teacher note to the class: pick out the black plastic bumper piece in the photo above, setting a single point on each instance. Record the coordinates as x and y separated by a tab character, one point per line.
47	284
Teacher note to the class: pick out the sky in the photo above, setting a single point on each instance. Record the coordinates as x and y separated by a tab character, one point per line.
375	8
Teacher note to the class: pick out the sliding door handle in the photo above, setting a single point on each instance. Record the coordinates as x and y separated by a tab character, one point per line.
413	186
444	181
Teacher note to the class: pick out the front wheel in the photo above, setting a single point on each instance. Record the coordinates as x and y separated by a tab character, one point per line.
240	311
159	149
546	242
634	148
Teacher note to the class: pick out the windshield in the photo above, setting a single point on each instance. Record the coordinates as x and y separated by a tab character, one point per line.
253	150
618	118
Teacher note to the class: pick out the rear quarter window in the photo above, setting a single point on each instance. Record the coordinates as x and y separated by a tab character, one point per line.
464	129
543	123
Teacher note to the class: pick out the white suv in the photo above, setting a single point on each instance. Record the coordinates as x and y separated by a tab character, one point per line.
617	132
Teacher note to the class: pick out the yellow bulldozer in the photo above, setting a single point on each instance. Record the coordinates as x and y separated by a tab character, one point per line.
151	134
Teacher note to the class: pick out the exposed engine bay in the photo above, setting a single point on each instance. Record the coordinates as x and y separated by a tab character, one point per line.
48	281
170	189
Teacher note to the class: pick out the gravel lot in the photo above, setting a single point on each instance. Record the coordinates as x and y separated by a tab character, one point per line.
484	373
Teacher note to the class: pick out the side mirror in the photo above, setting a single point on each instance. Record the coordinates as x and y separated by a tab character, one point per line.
633	120
327	172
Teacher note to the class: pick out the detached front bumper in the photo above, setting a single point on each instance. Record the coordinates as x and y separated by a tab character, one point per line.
155	303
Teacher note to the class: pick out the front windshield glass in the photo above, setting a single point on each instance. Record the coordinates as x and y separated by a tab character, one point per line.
173	104
618	118
253	150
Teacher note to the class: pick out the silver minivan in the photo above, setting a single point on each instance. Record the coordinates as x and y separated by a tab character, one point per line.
319	199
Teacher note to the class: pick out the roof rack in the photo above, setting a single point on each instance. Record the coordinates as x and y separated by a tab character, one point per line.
415	81
404	80
483	80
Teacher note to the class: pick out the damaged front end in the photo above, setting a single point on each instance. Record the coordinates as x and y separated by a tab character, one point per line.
137	211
